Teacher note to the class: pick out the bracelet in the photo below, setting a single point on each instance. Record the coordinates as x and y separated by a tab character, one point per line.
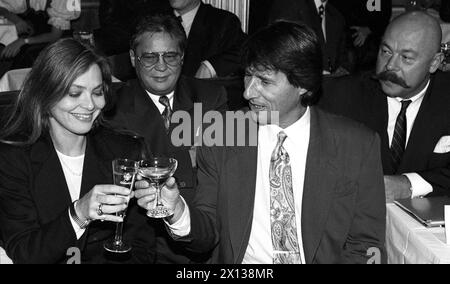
73	214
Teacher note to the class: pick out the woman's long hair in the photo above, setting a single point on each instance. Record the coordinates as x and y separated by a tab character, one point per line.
50	79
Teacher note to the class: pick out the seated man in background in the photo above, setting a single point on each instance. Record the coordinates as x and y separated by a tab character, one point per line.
310	191
38	23
145	105
407	103
214	36
325	20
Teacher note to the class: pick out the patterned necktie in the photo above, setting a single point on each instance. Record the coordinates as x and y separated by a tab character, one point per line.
399	140
167	114
282	207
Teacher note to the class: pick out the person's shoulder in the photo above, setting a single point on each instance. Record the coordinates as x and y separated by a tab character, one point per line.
218	14
203	89
344	127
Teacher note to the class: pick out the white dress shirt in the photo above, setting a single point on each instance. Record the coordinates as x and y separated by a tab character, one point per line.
73	169
159	105
260	250
419	186
324	19
187	21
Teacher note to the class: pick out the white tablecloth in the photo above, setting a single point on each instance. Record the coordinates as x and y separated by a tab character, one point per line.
8	33
409	242
3	258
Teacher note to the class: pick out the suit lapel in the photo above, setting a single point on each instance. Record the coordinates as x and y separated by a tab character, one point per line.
147	120
241	204
53	196
97	169
320	179
416	150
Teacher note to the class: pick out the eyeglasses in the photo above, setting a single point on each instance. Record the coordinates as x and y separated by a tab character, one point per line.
148	60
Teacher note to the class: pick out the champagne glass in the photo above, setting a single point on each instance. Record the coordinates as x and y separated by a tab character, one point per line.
124	174
158	170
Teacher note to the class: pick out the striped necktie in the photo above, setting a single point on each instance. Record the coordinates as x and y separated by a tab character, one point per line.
399	139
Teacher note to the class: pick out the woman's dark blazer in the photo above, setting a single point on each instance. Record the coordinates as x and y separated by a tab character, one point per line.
34	202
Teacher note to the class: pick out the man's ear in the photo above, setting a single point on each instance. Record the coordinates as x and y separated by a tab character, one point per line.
302	91
133	58
436	62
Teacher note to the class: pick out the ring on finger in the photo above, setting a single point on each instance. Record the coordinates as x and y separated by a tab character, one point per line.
99	209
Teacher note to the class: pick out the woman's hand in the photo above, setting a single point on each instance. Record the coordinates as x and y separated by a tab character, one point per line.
103	202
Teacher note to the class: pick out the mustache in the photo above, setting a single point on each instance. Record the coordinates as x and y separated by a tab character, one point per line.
391	77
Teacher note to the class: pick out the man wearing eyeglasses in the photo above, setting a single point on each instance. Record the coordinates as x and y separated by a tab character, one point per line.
145	106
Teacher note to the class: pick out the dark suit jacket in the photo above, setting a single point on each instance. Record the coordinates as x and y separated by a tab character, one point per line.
343	212
136	111
216	35
362	99
334	54
34	201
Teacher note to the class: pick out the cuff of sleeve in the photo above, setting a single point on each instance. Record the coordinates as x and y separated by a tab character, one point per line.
419	186
210	68
182	228
79	232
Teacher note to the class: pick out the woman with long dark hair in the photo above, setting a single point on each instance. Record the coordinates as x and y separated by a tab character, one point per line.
55	161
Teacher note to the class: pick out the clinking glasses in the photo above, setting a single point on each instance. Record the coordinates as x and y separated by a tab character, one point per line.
148	60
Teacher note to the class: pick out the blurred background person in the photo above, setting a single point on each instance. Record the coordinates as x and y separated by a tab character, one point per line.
364	29
38	23
326	21
215	38
55	162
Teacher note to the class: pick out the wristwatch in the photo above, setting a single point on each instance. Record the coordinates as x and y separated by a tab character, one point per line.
26	41
73	214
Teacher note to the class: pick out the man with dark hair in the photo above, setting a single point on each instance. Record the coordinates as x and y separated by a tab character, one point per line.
407	103
145	105
310	191
215	38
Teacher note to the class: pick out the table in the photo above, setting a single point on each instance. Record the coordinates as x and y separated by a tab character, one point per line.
4	259
409	242
8	32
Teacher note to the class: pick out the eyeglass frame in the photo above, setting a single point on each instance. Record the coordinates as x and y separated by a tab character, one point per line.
160	54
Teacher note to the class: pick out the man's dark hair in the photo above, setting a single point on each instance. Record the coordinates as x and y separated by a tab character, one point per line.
291	48
160	23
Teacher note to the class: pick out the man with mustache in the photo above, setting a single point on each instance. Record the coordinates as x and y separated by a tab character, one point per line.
407	103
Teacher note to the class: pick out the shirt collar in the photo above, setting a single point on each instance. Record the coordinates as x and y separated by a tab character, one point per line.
155	100
188	17
320	2
418	96
294	132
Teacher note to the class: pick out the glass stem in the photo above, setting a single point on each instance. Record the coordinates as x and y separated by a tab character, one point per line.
118	237
158	202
